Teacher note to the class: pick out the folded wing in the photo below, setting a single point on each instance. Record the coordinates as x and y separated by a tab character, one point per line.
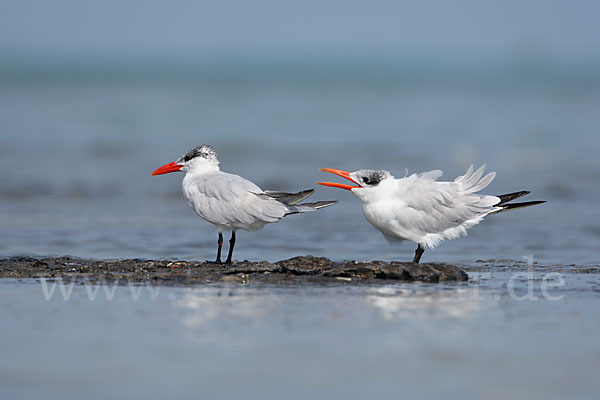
231	201
444	210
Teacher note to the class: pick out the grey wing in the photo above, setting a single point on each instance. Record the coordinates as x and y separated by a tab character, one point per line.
292	200
230	200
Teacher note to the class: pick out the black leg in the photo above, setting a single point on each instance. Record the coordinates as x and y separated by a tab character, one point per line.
418	253
220	245
231	246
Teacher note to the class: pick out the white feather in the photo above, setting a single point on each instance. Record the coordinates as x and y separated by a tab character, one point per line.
421	209
231	202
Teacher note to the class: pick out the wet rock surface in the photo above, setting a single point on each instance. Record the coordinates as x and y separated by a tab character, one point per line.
183	273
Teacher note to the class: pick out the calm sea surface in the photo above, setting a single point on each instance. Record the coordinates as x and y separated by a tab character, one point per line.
457	341
77	148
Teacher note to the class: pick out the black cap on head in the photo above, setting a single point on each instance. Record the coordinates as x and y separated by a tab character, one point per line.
204	151
371	177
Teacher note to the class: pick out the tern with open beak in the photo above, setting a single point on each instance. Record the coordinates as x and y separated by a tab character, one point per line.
421	209
229	201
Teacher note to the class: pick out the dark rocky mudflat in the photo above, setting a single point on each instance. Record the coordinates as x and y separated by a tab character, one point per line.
183	273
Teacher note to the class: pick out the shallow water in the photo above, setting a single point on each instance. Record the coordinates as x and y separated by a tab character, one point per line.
77	150
468	340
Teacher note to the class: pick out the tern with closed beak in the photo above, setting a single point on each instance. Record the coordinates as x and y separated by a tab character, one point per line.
229	201
421	209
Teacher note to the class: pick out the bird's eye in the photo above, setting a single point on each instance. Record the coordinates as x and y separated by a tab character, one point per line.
365	180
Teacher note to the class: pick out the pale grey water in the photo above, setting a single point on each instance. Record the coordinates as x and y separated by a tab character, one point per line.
77	149
76	152
468	340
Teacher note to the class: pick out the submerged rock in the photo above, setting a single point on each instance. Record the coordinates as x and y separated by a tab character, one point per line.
181	273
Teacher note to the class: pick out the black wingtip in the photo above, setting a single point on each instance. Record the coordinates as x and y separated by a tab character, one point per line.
512	206
320	204
505	198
